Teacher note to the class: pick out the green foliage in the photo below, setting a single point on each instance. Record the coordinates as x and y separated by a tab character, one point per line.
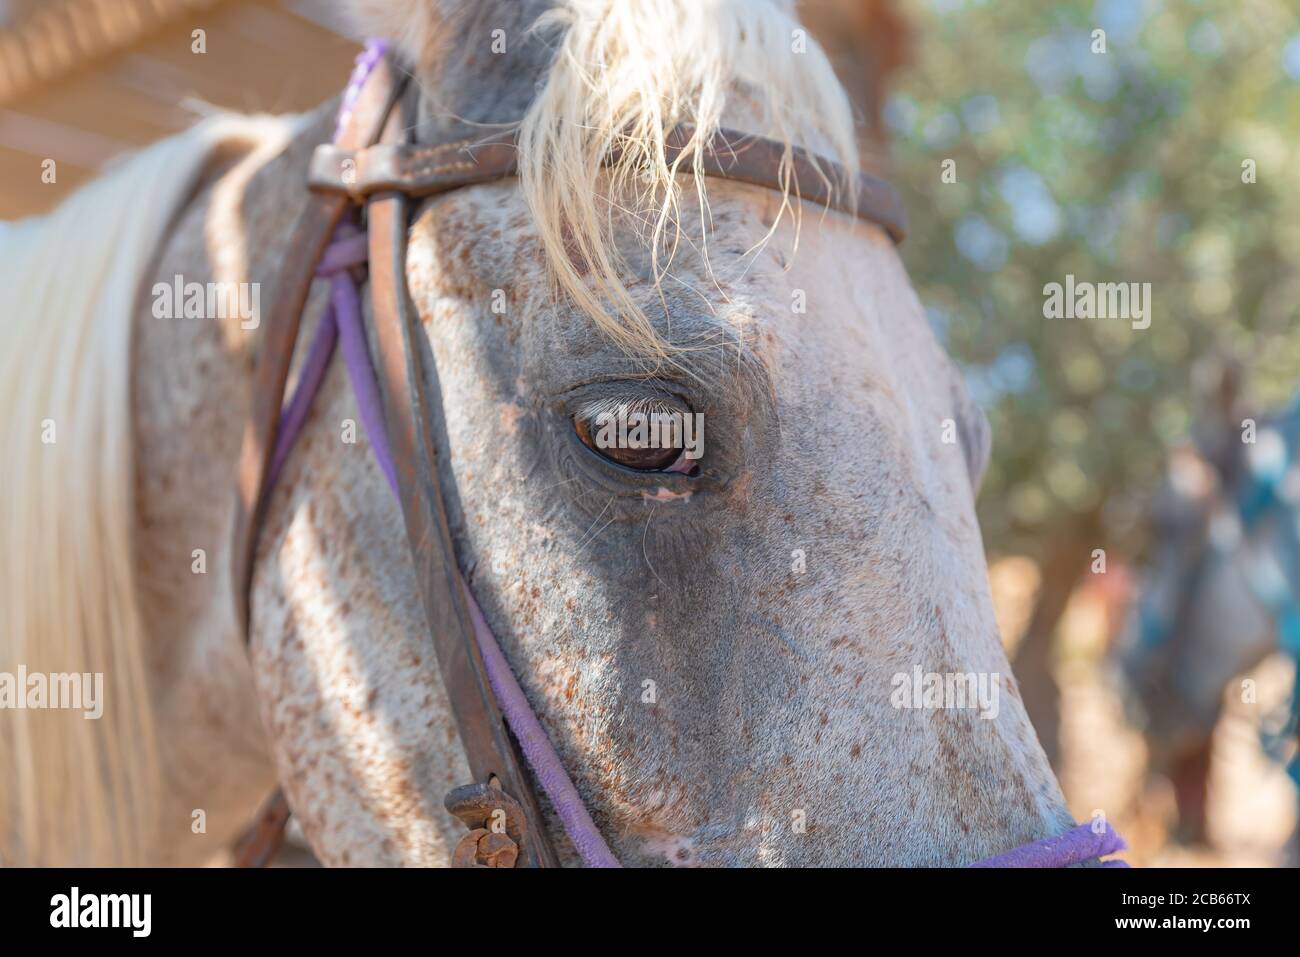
1123	166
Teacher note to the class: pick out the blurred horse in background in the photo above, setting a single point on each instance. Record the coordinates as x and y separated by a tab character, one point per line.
1221	595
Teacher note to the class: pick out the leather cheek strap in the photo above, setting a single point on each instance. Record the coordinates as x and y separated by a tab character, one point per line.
384	111
311	234
412	410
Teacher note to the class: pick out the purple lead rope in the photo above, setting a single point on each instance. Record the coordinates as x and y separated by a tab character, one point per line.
342	264
1078	846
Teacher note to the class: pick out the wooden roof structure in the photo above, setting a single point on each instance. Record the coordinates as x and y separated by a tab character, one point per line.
84	80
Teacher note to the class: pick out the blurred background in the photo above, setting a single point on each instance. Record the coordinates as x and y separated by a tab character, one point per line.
1142	510
1171	158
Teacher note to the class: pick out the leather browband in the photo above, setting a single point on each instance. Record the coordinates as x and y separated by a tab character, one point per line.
422	171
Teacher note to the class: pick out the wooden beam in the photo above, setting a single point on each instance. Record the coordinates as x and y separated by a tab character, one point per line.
63	37
261	56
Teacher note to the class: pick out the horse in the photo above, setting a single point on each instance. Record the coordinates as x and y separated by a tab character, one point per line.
718	668
1221	596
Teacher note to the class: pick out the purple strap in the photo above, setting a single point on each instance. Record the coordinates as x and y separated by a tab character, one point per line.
342	264
1077	846
342	322
546	764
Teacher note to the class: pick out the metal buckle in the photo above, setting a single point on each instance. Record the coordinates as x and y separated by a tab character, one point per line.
495	821
334	169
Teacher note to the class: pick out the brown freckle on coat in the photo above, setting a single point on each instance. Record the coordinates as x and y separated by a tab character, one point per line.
537	592
824	719
855	752
571	687
1021	790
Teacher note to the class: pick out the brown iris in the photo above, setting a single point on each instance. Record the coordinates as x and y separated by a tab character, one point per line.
646	437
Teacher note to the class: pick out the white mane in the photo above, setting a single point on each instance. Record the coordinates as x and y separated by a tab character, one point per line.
624	76
625	73
74	790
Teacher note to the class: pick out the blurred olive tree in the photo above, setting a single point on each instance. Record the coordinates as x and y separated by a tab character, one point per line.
1171	158
1164	149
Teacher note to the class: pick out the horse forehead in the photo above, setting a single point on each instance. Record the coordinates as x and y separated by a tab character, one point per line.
484	233
482	243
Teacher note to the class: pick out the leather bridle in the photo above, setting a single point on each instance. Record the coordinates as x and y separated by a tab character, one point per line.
373	164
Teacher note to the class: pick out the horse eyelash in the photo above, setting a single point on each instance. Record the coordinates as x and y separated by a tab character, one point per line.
623	408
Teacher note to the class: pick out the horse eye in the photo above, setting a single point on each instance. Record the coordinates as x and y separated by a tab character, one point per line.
648	441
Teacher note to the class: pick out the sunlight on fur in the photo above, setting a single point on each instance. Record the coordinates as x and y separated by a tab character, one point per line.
627	73
72	790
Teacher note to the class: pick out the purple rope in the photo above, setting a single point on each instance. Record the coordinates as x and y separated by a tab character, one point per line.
366	61
346	304
1077	846
342	322
295	413
537	748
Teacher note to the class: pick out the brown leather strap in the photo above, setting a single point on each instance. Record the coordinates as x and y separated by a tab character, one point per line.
412	411
311	234
416	170
491	752
420	171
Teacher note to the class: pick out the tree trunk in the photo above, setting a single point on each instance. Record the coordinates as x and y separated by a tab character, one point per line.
1063	564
